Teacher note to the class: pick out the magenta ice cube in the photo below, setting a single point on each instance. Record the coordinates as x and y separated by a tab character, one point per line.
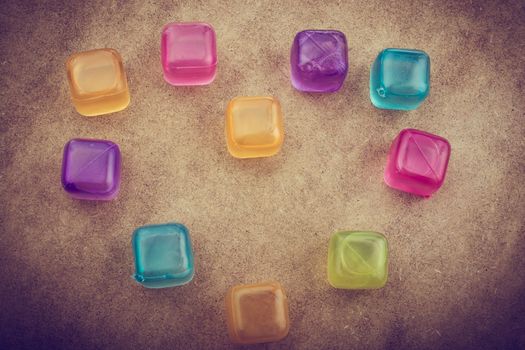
188	53
91	169
319	60
417	162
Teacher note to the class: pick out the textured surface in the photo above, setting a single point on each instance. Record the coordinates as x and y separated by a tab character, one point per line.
456	261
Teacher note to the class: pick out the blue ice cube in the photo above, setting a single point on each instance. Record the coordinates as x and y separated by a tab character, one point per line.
163	255
400	79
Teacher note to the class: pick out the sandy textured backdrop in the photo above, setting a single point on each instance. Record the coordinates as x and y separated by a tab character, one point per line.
457	261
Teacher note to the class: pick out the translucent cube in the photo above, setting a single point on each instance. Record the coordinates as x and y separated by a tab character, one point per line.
163	255
91	169
98	82
257	313
400	79
357	260
254	127
417	162
319	60
188	53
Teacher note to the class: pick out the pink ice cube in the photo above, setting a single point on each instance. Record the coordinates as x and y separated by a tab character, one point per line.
188	53
417	162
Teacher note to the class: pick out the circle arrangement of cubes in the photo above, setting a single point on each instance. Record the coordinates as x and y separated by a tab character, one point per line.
319	60
98	82
357	260
417	162
400	79
189	53
163	255
91	169
254	127
257	313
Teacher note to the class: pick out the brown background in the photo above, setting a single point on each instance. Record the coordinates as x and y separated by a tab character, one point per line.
457	265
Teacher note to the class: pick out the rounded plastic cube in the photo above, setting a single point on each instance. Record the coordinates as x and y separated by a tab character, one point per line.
163	255
257	313
91	169
417	162
98	82
188	53
400	79
319	60
254	127
357	260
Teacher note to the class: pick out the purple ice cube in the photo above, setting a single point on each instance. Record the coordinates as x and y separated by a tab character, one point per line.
319	60
91	169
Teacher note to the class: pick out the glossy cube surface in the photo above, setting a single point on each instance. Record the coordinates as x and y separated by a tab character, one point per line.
417	162
163	255
254	127
188	53
91	169
319	60
400	79
98	82
357	260
257	313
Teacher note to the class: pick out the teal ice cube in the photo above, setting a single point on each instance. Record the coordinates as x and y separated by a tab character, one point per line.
400	79
163	255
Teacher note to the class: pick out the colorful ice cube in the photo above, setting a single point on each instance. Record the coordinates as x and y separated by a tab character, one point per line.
163	255
319	60
188	53
400	79
91	169
417	162
357	260
254	127
257	313
98	82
